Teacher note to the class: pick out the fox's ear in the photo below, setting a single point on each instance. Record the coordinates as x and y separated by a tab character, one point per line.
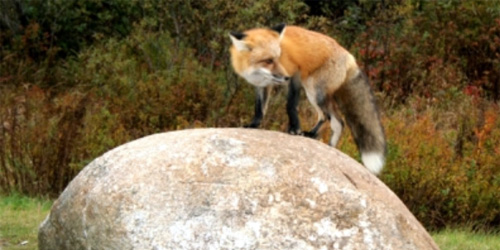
237	39
280	28
237	35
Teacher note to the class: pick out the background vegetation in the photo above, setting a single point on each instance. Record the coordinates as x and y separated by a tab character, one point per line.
78	78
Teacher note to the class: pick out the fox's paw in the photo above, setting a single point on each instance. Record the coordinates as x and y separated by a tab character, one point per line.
295	131
310	134
251	125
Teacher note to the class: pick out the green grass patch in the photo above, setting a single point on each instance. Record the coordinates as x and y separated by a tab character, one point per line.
20	217
465	239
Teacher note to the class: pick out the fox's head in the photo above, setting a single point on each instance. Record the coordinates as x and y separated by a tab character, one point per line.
255	55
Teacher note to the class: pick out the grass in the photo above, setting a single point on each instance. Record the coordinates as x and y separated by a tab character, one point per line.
465	239
20	217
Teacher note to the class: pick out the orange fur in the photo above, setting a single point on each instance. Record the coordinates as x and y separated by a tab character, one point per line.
303	52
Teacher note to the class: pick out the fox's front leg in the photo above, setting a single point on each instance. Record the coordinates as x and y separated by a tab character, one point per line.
261	102
291	106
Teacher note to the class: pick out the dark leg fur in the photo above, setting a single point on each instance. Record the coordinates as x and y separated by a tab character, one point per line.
291	107
313	133
261	96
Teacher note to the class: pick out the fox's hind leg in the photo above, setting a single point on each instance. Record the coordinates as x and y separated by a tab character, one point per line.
337	126
317	101
326	108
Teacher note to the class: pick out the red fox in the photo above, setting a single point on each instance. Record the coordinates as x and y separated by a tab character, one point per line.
328	73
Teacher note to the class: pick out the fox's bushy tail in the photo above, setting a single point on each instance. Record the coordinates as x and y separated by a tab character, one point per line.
357	102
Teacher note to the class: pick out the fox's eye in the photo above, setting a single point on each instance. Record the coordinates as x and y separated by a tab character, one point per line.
268	61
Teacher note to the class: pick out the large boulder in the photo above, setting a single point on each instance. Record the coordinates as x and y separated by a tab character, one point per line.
229	189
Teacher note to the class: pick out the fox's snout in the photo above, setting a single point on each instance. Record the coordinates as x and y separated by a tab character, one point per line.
280	78
285	78
278	73
262	77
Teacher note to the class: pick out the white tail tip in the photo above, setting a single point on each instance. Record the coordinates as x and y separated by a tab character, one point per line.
373	161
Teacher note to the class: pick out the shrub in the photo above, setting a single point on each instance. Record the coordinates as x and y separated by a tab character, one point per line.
418	48
444	164
126	89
